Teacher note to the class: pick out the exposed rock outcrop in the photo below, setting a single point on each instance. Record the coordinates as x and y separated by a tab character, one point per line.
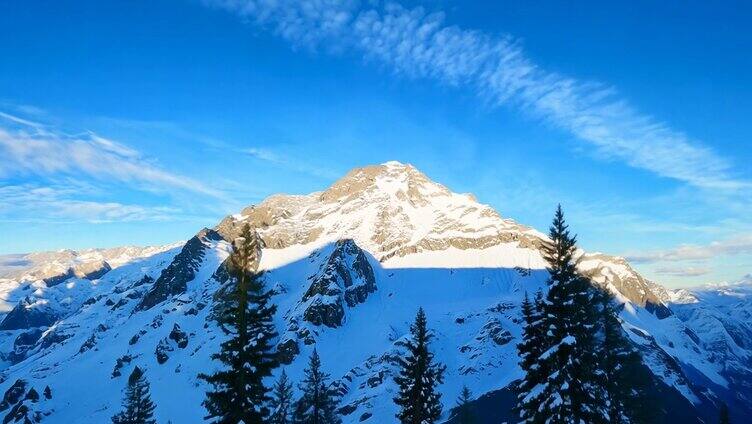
162	352
616	271
177	339
287	349
345	279
24	405
86	270
174	279
23	343
179	336
14	394
120	363
27	314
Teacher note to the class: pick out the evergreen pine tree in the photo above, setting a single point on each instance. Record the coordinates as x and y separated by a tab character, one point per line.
463	410
539	304
318	403
248	355
137	405
723	414
627	382
569	389
418	377
529	351
281	403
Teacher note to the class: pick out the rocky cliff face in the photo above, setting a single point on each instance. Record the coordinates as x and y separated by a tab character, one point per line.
174	279
620	278
349	266
26	315
345	279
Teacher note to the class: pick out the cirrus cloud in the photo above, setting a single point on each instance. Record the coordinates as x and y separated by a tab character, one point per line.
31	148
29	203
682	271
415	43
692	252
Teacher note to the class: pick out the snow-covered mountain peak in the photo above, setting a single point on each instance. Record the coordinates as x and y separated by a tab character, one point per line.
405	220
743	282
391	210
391	181
349	266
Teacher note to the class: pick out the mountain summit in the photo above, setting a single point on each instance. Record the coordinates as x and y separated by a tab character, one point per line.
390	209
349	267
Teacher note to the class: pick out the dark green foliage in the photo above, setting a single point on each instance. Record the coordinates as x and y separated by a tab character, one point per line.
530	349
562	384
464	409
281	402
627	381
137	405
319	402
723	414
579	364
248	355
418	400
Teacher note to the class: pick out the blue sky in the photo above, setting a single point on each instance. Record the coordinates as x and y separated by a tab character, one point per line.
140	122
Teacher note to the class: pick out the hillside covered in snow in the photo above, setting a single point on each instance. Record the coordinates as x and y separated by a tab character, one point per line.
349	267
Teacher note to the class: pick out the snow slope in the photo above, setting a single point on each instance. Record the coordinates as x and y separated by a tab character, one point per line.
721	317
349	266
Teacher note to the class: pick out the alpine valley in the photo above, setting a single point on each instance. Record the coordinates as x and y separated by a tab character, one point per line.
349	267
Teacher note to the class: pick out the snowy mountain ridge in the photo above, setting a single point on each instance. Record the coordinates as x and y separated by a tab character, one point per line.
40	271
349	267
390	210
42	265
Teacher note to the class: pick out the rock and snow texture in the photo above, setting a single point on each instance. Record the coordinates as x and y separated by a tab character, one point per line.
349	267
25	274
720	317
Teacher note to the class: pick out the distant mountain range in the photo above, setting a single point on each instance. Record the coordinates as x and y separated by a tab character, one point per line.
349	265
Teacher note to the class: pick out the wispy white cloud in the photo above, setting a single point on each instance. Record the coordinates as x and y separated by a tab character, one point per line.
13	262
30	203
169	128
18	120
31	148
419	44
682	271
279	156
691	252
264	154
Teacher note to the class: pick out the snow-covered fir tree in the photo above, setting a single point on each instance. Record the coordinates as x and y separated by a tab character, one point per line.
529	351
463	412
318	404
570	388
418	399
627	381
248	356
281	403
138	407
